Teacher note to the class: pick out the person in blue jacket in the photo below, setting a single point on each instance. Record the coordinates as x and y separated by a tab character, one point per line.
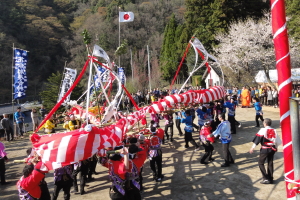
223	130
19	118
188	129
258	108
231	114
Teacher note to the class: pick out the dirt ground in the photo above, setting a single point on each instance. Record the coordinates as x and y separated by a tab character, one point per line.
185	178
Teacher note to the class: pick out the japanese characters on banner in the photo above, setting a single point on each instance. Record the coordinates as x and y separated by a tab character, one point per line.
20	77
101	75
121	75
69	77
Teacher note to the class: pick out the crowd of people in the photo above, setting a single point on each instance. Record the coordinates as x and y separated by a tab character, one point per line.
215	120
267	95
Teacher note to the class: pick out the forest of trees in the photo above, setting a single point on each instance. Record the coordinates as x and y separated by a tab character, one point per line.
51	31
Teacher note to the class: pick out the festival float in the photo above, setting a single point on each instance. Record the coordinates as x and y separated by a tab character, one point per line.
101	132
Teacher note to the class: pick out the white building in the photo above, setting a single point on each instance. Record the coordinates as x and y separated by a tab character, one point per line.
213	78
261	76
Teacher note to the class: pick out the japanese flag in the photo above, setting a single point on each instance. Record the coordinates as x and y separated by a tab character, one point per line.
126	16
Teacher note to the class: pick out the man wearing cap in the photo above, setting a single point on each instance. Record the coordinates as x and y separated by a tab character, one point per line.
19	118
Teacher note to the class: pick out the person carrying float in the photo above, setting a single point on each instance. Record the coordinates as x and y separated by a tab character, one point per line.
155	153
206	141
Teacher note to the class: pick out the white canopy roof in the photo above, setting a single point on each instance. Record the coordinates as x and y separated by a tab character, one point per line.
261	76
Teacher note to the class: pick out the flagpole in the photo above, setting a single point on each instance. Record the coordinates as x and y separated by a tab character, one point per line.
119	38
149	73
12	88
131	63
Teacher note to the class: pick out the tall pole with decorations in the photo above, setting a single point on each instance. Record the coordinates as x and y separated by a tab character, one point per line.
283	65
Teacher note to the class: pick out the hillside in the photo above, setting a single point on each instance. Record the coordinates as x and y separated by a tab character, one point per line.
51	31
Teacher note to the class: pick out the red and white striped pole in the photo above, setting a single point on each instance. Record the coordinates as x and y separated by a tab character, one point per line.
283	65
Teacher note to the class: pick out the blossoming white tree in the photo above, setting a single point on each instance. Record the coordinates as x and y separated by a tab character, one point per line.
247	48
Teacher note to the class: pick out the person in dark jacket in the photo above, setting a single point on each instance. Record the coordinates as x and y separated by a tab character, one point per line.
63	180
7	126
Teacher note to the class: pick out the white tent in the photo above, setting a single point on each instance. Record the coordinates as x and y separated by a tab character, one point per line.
261	76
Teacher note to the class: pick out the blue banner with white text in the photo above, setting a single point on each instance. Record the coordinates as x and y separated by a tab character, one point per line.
20	77
121	74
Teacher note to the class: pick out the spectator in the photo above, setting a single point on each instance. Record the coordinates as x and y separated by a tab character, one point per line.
261	94
269	96
35	119
275	98
8	128
19	118
256	92
252	92
43	112
245	97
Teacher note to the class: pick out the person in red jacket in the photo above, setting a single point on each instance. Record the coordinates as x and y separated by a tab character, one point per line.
117	170
136	162
144	145
155	154
29	185
206	141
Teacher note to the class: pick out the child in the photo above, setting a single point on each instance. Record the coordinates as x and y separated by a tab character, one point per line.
206	142
258	108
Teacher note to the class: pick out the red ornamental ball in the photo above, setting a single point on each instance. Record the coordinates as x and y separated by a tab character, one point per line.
126	17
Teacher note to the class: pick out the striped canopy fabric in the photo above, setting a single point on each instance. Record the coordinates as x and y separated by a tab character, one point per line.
61	149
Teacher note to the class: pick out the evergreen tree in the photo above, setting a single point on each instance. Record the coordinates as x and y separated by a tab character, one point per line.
168	54
209	17
197	17
293	12
50	94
